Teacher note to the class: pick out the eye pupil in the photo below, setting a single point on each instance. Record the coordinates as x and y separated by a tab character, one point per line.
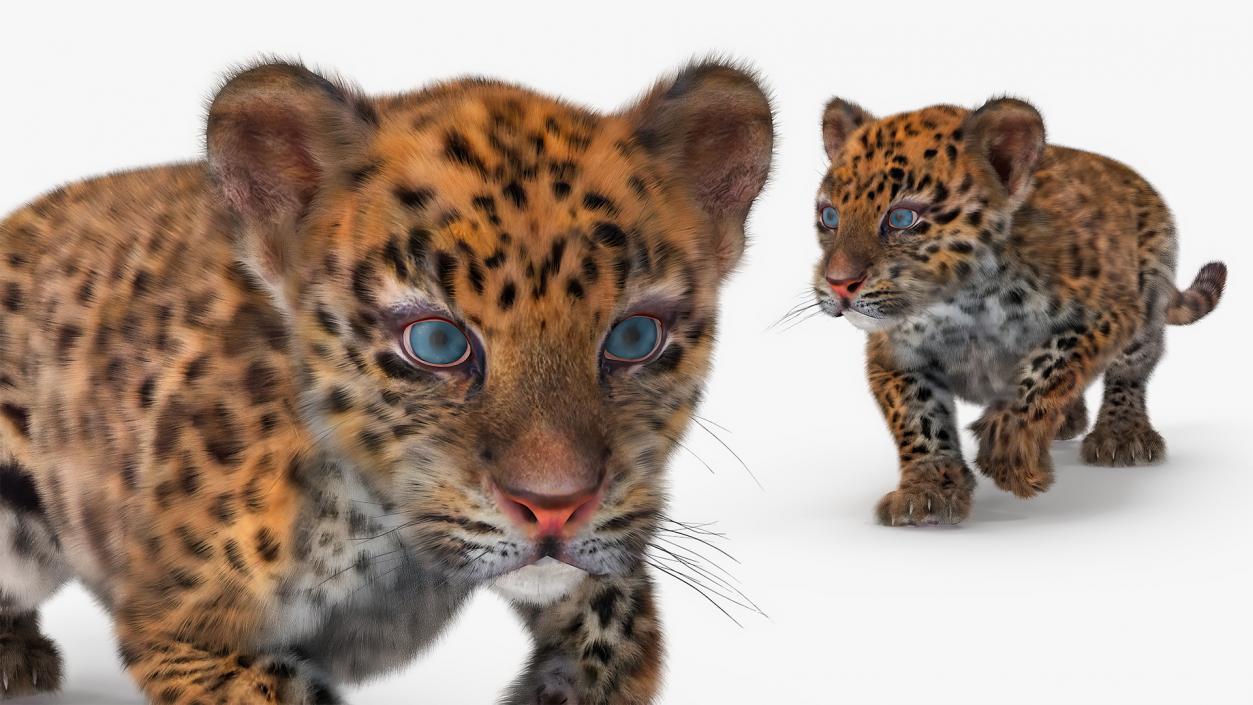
437	342
634	339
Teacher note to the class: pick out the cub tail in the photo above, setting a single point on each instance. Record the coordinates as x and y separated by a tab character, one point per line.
1192	304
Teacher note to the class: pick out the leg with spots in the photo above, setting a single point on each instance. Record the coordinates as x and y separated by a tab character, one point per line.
936	487
31	569
599	645
173	671
1123	435
1014	434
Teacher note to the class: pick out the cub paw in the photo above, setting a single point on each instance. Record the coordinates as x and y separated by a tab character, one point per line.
1123	445
931	493
1075	423
29	662
552	681
1010	454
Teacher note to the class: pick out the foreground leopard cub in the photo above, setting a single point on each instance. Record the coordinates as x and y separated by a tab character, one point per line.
283	410
991	266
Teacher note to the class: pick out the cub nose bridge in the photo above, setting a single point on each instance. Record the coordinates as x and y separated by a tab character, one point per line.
543	462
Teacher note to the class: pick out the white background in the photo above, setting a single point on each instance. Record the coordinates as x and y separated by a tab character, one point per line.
1118	586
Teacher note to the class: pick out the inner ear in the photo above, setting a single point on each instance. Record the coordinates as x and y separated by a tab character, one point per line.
839	120
277	135
712	127
1009	134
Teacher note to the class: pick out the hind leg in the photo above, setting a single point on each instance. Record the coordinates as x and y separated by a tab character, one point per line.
31	569
1123	435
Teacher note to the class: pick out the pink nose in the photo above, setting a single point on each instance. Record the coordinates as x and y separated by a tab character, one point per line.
846	288
547	515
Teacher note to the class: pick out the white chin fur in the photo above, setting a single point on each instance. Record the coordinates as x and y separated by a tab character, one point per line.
865	322
541	583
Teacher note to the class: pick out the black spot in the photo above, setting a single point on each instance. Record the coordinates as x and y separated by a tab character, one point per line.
146	390
609	234
267	545
18	416
574	289
597	202
508	294
603	605
446	269
196	368
261	381
515	193
414	197
457	149
142	282
234	558
13	297
363	281
189	479
17	489
223	509
395	367
327	322
419	240
496	259
363	175
561	190
474	272
394	258
338	400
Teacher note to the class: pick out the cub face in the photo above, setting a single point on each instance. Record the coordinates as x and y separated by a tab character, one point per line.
915	205
503	305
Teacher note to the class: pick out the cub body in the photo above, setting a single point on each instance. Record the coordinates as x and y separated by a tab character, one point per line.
282	410
990	266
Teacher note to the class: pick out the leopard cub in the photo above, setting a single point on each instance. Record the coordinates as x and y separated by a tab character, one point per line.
991	266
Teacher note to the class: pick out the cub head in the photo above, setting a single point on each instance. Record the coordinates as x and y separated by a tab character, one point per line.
914	205
503	305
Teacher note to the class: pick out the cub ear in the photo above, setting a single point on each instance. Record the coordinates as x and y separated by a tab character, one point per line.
839	120
1008	135
277	134
713	127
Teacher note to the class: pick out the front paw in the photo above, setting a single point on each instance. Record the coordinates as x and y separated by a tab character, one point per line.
551	681
29	661
932	492
1122	444
1012	454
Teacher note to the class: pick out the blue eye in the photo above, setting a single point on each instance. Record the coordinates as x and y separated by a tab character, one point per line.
902	218
830	218
633	340
436	343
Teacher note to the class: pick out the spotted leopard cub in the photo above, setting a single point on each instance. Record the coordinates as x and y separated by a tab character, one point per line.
990	266
283	410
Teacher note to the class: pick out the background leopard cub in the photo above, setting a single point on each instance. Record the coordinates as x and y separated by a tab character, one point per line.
990	266
283	409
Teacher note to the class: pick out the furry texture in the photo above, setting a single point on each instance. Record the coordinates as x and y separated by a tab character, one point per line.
1030	270
209	417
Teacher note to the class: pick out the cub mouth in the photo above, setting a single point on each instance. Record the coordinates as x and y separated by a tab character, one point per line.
540	583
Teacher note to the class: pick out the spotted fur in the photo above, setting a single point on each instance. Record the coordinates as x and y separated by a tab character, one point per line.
1031	270
208	417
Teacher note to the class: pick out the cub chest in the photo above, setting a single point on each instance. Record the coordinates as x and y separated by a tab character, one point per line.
976	341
